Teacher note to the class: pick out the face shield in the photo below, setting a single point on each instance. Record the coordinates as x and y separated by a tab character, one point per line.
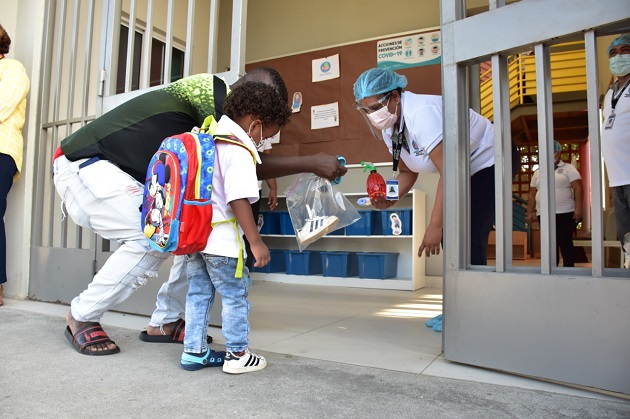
364	111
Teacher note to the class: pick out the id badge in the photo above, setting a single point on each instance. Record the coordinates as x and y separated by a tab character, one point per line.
610	121
391	193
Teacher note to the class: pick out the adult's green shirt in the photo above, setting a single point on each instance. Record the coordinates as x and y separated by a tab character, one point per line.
129	134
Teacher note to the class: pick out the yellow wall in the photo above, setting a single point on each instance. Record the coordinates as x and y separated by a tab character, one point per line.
284	27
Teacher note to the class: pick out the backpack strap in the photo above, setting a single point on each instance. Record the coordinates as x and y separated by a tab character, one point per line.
239	265
209	125
235	140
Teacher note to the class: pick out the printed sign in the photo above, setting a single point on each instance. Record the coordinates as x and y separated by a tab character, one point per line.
410	51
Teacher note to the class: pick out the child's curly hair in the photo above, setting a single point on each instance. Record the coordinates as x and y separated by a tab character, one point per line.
260	100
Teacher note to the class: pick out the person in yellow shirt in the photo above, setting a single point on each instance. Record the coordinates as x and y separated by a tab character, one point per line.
14	86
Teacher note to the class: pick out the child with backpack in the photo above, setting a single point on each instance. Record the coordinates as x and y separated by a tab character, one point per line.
252	112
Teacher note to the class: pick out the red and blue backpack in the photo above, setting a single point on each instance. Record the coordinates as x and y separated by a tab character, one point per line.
177	202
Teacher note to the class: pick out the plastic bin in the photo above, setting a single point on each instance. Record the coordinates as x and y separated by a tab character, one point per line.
374	265
403	215
367	225
340	264
338	232
286	226
271	222
276	264
307	262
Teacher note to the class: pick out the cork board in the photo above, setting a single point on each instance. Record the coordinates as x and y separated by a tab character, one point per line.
351	138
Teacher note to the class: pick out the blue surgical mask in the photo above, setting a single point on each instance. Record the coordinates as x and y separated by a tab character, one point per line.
620	64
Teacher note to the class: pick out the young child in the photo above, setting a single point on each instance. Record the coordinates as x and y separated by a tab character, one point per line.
252	112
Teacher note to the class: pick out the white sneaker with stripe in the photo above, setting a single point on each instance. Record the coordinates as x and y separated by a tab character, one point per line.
239	364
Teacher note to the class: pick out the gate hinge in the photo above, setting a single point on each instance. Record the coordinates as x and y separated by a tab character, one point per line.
101	82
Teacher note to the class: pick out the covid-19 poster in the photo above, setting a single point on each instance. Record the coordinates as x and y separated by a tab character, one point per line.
410	50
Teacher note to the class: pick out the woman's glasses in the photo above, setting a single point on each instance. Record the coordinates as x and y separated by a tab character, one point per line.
374	107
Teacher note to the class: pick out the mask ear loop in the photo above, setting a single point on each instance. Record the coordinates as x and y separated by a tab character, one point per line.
261	142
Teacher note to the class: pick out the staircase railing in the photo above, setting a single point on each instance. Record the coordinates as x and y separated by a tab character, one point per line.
568	74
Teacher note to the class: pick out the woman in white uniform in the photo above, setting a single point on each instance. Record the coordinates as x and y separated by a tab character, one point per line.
411	126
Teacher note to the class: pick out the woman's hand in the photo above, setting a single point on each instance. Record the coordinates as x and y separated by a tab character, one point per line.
431	242
379	202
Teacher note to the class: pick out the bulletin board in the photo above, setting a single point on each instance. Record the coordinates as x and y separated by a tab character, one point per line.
351	138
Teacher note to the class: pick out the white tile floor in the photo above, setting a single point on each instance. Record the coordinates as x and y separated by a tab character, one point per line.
375	328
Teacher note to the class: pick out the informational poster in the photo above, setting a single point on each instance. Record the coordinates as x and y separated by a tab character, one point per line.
326	68
325	116
410	51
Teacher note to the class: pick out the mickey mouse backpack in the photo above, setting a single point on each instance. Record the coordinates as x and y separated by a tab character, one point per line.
177	201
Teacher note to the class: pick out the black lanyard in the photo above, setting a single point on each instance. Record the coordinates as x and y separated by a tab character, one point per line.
398	142
616	94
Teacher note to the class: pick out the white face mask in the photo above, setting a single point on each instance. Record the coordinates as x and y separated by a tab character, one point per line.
260	143
620	64
383	119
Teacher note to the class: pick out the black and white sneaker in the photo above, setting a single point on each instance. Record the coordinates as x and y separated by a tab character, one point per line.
247	362
316	228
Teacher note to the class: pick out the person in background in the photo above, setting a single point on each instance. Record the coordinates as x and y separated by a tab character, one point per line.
569	195
252	112
616	134
14	86
411	128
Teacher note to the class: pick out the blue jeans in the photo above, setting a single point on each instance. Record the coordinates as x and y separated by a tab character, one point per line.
207	274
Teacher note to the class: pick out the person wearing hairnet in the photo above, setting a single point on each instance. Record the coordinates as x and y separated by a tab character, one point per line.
411	126
569	194
616	135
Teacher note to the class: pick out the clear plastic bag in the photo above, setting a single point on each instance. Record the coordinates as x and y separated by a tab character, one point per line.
317	208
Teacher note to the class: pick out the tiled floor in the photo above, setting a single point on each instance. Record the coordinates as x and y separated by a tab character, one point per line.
375	328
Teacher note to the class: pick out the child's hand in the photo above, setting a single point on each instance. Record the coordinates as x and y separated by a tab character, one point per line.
261	254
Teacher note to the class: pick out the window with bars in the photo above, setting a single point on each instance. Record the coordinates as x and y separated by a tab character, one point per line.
158	54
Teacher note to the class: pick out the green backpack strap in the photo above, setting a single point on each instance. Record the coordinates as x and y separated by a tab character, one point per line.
239	265
209	125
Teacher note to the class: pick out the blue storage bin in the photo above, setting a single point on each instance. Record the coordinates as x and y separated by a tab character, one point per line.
276	264
367	225
376	265
271	222
404	215
307	262
341	264
338	232
286	226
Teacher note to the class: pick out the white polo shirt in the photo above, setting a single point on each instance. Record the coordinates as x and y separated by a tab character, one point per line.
564	174
422	119
234	178
616	140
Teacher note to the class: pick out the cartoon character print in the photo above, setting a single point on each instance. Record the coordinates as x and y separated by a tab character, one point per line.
158	217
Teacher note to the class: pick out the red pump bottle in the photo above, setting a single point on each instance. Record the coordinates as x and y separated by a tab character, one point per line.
375	182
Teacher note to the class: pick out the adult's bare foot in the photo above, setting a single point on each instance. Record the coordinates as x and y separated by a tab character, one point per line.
164	330
75	325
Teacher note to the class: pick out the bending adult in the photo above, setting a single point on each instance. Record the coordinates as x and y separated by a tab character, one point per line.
14	86
99	173
411	127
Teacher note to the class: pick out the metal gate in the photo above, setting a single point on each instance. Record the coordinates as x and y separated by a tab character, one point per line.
564	324
98	54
